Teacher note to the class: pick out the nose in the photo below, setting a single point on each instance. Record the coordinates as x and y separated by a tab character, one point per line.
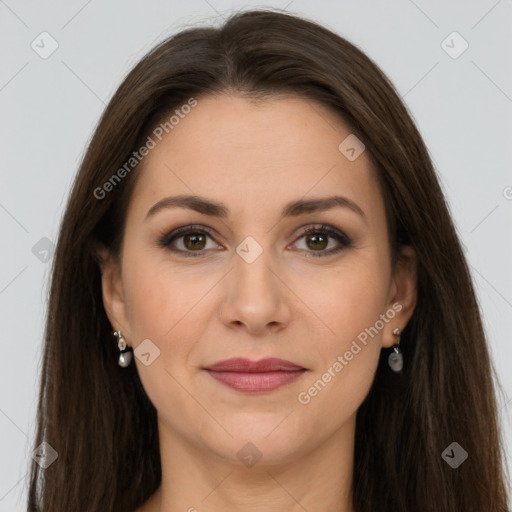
256	297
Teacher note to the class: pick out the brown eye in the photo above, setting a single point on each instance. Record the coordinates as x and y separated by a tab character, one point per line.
188	241
317	241
194	241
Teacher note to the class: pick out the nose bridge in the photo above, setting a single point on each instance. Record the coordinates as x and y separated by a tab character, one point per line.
252	273
255	296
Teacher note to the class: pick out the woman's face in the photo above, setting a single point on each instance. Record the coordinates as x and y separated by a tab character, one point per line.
243	280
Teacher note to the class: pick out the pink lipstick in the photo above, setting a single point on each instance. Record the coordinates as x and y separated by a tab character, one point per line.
255	376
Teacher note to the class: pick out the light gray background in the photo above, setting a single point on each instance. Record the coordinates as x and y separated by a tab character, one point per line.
49	108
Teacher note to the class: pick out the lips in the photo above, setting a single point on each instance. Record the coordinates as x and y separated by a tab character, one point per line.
239	364
255	376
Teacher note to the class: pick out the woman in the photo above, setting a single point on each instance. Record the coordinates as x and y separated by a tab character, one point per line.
259	300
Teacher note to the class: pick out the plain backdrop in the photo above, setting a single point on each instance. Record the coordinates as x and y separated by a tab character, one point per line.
460	100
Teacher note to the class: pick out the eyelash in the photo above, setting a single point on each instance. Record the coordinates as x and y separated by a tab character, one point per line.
166	240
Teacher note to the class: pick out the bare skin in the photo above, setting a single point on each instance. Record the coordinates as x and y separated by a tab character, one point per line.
290	302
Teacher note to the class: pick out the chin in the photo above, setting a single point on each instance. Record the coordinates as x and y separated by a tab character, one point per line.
261	445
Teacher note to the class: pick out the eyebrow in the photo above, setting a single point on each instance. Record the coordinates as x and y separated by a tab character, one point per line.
292	209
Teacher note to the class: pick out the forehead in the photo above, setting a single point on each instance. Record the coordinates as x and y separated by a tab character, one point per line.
255	155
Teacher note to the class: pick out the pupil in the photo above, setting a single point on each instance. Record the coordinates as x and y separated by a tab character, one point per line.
317	237
191	241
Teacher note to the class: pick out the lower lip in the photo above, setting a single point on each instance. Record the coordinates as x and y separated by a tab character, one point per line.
256	382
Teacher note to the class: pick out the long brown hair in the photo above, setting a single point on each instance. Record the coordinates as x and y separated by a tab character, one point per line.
97	415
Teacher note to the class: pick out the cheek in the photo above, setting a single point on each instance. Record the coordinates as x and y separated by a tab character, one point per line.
346	299
158	296
351	302
147	302
162	306
340	382
169	306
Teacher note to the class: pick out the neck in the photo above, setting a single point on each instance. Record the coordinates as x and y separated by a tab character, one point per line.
195	480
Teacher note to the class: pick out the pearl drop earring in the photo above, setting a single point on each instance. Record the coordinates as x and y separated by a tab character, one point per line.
125	354
396	359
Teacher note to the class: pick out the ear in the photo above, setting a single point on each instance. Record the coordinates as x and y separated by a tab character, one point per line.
113	293
402	295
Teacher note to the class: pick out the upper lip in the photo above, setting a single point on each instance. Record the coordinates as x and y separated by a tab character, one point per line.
242	365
